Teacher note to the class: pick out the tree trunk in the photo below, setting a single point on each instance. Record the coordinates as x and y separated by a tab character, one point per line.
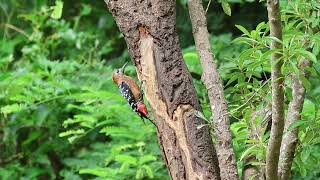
211	79
150	33
274	144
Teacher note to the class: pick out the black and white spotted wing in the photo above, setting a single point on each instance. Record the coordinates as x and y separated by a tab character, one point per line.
127	94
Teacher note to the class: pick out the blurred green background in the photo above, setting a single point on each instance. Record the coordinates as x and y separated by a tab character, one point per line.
63	118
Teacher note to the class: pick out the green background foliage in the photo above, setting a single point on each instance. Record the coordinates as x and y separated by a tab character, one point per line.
62	116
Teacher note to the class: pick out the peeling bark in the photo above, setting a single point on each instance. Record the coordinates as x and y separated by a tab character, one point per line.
150	33
211	79
274	144
289	141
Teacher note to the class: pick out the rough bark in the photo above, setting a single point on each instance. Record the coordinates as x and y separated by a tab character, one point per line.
290	139
212	82
274	144
251	173
150	33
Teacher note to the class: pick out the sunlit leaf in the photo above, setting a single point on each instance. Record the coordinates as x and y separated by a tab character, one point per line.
308	55
57	10
226	7
243	29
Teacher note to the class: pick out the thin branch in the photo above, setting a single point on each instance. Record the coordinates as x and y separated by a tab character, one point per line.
250	98
274	144
10	26
211	79
208	6
290	139
11	158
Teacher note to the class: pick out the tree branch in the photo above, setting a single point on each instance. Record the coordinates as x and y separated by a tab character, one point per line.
211	79
273	150
11	158
290	139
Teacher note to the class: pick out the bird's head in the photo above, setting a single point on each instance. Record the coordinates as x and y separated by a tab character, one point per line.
118	73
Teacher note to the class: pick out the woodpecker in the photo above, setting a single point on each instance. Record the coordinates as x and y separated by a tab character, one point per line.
130	90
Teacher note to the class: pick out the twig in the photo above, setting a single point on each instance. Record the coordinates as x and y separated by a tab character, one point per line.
11	158
254	94
10	26
208	6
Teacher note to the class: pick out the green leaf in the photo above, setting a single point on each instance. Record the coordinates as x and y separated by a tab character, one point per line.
302	170
260	26
305	154
248	152
294	68
272	38
306	83
101	172
148	171
86	10
126	159
243	29
193	62
296	124
147	158
57	10
124	167
31	137
71	132
257	163
13	108
245	55
308	55
232	79
226	7
200	115
309	109
139	174
316	66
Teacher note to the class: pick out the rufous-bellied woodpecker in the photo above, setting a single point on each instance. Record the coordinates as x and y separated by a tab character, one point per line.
131	92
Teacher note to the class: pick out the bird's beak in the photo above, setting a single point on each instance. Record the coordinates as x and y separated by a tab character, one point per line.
124	66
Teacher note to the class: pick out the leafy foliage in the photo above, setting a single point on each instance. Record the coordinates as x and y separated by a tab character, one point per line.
56	81
250	72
